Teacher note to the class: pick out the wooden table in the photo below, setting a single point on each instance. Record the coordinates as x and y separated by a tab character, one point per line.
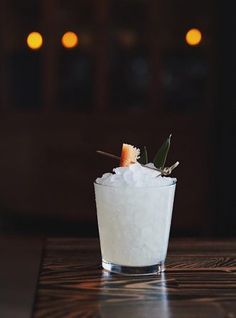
200	281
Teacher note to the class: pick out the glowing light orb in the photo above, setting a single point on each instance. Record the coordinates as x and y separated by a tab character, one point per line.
34	40
69	40
193	37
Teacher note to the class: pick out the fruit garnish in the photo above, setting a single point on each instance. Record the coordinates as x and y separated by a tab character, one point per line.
129	155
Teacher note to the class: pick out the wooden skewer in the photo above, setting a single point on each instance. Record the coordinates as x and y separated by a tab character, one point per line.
166	171
108	154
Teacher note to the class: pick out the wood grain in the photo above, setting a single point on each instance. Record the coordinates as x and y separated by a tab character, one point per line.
200	281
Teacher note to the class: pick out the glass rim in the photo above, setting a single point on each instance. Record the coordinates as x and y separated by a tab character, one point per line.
141	188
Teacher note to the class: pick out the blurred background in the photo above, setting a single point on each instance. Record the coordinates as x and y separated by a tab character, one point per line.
77	76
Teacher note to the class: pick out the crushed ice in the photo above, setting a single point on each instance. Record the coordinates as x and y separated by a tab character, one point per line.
135	175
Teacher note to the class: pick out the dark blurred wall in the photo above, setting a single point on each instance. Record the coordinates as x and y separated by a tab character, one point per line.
133	79
225	174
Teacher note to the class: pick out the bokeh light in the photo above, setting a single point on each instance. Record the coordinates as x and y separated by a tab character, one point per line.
34	40
193	37
69	40
127	38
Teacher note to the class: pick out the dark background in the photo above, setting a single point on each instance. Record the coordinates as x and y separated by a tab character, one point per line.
132	78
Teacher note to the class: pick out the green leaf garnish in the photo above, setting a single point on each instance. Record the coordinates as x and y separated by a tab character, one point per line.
144	156
160	157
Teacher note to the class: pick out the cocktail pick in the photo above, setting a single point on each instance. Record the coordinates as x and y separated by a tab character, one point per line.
166	171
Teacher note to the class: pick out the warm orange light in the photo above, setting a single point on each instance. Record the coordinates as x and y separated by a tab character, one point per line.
193	37
127	38
34	40
69	40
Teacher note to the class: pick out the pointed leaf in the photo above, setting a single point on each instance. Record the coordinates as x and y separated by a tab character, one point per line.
144	156
160	157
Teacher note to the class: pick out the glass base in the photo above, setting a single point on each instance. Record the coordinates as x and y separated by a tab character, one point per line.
134	270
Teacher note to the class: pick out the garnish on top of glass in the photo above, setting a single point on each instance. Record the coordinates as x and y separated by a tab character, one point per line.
140	171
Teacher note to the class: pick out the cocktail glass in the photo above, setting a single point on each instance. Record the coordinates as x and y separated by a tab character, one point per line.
134	225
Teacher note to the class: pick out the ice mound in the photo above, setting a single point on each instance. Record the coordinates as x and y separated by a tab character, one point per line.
136	176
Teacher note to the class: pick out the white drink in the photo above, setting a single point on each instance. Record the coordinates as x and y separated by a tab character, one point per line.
134	224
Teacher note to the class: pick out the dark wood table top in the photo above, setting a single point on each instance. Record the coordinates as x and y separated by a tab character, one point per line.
200	281
19	267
